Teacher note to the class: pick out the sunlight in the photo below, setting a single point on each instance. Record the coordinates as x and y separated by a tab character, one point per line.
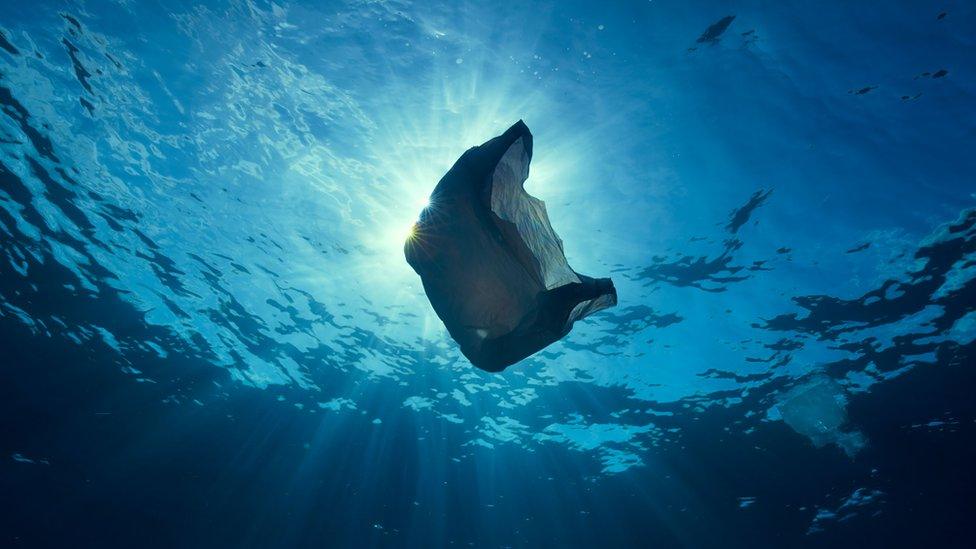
407	233
441	112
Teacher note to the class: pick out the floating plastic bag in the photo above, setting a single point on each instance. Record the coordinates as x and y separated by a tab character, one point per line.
491	264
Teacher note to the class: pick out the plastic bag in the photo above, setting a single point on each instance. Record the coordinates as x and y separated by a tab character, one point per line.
491	264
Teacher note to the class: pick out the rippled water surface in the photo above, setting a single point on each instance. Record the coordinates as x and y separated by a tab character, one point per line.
209	335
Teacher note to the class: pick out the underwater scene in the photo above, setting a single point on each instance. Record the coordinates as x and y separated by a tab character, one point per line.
216	328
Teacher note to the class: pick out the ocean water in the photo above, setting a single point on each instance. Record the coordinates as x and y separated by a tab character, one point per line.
209	336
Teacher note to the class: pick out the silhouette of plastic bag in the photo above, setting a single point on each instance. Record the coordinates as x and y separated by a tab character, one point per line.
491	264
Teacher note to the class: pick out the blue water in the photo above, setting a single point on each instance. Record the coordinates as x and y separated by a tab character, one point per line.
209	336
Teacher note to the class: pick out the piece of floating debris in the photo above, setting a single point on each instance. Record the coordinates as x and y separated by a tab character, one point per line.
491	264
715	30
746	501
937	74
